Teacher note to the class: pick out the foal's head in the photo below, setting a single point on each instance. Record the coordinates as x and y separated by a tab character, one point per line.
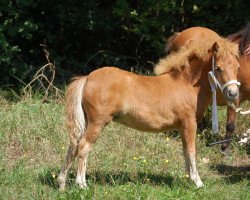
225	67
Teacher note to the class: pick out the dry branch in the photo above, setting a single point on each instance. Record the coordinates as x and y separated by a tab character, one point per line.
44	79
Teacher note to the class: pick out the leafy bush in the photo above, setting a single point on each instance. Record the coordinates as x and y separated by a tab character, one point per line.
84	35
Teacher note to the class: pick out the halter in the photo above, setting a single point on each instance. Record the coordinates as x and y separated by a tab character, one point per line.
214	83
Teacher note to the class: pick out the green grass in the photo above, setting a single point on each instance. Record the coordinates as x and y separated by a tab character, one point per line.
124	163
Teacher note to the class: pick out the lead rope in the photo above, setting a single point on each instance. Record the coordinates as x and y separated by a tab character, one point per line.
238	110
246	136
213	84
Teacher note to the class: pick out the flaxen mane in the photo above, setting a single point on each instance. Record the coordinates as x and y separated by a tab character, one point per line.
179	59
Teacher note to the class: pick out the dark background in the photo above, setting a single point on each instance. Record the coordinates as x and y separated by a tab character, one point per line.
83	35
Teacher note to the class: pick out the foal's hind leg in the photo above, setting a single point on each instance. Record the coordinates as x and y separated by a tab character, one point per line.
70	156
92	132
189	149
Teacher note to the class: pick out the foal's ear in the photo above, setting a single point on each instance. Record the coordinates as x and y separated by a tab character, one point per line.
215	47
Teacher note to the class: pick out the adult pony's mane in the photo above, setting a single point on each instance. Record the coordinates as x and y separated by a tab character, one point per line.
243	38
178	60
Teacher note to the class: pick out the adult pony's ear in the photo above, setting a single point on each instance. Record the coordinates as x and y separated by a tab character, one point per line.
215	47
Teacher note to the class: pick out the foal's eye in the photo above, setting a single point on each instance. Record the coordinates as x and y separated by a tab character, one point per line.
218	69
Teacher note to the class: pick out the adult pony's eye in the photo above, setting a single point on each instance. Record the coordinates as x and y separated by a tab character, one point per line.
218	69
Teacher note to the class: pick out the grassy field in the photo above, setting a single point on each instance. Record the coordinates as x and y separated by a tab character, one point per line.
124	164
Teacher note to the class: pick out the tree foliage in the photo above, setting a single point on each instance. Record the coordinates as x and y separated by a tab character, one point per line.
84	35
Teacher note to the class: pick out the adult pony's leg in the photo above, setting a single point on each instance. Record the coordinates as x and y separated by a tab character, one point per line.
189	150
84	147
230	127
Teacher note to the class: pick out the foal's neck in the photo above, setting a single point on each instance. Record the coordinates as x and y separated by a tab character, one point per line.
196	74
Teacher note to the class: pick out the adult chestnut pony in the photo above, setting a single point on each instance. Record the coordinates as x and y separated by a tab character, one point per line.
175	99
242	38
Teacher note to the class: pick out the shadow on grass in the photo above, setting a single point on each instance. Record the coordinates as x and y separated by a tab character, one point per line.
233	174
111	179
49	178
121	178
248	149
9	95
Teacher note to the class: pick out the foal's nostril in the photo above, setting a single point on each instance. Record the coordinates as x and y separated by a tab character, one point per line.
233	94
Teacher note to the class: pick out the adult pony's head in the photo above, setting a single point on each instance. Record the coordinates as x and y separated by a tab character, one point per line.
214	54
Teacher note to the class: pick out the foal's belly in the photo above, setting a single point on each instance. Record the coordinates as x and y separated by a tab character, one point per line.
148	122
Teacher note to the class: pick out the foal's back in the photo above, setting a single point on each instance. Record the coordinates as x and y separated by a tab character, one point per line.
146	103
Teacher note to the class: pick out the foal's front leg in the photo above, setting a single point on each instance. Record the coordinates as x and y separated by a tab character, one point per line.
189	150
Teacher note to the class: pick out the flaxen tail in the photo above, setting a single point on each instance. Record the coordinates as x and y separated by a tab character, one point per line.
75	117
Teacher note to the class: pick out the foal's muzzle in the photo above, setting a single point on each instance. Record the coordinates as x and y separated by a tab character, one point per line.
231	92
230	89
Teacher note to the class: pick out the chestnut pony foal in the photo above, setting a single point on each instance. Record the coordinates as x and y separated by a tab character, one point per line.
175	99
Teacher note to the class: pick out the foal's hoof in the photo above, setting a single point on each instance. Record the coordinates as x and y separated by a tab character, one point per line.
200	185
225	151
61	183
225	147
82	185
61	189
